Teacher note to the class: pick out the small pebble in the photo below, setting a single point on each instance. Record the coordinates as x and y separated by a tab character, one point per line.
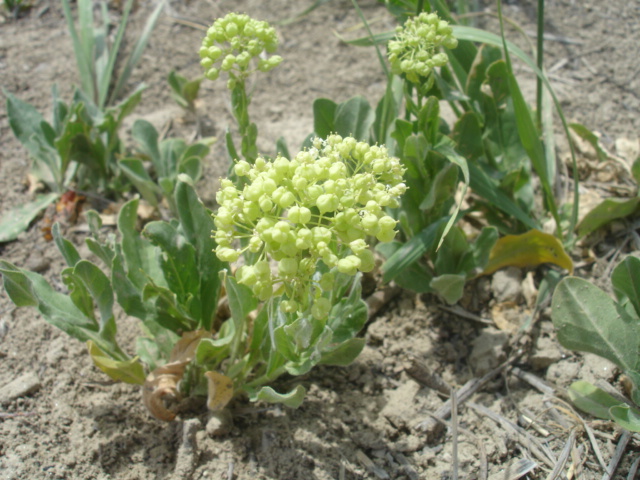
21	386
37	263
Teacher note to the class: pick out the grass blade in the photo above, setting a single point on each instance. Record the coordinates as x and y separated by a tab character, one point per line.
79	48
105	78
137	51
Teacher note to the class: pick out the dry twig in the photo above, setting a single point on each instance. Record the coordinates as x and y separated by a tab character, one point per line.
564	456
617	455
483	473
541	452
430	424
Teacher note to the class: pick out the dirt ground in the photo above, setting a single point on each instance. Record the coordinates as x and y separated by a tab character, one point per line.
373	419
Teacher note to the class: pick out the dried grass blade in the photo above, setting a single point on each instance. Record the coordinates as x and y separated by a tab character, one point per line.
464	393
617	455
527	440
634	469
564	456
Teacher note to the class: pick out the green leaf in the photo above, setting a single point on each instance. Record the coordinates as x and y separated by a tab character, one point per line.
134	169
486	188
178	262
196	224
128	371
626	417
242	301
411	251
387	111
587	320
128	294
31	289
626	282
323	114
349	315
482	247
354	118
292	399
168	312
146	135
191	166
467	134
591	399
68	250
344	354
99	286
17	285
17	220
140	256
607	211
416	276
445	148
449	286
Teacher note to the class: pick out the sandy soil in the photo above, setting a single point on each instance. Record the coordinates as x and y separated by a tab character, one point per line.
372	419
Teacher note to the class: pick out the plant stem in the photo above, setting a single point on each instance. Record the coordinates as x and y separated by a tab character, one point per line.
540	61
381	59
248	132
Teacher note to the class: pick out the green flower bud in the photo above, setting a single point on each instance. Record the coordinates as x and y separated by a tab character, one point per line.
414	51
288	267
289	306
358	246
327	202
349	265
368	261
242	168
212	74
246	275
227	254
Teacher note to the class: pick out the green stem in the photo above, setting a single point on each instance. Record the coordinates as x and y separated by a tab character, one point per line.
240	106
370	33
540	61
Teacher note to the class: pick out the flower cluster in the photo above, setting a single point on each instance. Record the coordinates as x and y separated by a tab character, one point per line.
415	49
320	206
232	42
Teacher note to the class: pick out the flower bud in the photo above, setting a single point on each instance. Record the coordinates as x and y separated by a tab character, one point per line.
327	202
227	254
349	265
287	267
242	168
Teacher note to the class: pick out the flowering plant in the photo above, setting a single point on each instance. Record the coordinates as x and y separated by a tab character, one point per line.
414	50
239	45
320	206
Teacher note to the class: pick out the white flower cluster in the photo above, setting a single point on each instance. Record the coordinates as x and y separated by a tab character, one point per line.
232	41
415	49
320	206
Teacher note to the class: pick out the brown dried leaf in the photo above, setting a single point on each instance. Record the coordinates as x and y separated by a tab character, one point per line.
507	316
220	390
161	385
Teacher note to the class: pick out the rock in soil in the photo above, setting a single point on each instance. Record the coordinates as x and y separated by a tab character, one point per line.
20	387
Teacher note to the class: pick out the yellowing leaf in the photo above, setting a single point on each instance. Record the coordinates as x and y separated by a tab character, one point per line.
527	250
130	371
220	390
